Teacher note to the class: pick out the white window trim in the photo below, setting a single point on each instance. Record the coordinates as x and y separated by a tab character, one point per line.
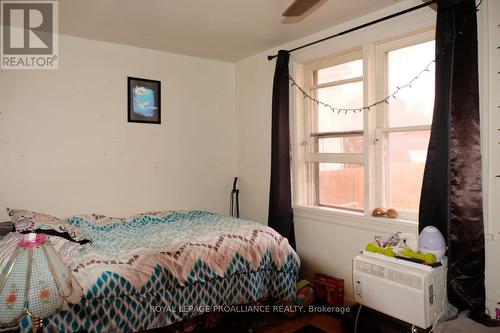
354	219
311	155
348	158
381	126
302	187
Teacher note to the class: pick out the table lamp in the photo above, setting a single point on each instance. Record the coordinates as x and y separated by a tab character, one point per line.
35	282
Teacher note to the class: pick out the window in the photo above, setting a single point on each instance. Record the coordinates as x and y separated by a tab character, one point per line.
359	161
406	129
337	141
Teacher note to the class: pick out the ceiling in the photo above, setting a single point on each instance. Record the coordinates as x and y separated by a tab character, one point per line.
227	30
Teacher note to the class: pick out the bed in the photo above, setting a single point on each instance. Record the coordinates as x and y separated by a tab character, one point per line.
155	269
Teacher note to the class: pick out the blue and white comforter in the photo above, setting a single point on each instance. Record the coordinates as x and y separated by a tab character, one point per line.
178	260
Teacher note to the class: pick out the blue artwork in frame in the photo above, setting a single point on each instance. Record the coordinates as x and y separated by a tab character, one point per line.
144	100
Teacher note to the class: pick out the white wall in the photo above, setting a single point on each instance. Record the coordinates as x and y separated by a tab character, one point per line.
325	244
66	146
254	82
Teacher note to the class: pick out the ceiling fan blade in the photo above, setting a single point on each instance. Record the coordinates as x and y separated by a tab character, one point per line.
299	7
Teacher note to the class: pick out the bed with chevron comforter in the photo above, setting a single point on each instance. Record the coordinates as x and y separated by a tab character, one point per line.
154	269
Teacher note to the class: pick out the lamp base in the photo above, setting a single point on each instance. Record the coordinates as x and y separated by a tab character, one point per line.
37	325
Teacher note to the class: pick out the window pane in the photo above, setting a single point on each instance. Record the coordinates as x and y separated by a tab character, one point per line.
412	105
339	72
407	155
348	95
341	185
347	144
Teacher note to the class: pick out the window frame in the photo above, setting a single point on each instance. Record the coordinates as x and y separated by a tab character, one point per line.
313	157
375	125
382	128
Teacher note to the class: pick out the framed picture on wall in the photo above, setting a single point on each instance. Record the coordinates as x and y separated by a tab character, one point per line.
144	100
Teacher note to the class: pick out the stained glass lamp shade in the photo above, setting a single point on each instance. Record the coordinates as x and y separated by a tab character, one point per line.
35	281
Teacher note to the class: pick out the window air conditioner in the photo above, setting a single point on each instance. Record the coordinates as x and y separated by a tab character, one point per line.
408	291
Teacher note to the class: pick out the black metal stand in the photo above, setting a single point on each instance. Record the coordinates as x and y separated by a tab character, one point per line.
235	201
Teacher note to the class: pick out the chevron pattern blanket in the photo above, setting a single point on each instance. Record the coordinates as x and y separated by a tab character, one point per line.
181	262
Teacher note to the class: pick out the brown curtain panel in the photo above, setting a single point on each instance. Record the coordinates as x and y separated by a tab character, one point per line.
451	196
280	196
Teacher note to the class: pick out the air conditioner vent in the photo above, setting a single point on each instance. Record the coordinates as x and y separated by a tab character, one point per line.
364	267
371	269
405	279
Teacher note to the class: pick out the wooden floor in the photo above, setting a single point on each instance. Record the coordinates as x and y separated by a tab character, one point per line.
268	323
323	321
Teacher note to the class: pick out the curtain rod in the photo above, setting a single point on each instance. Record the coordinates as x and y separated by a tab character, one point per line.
425	4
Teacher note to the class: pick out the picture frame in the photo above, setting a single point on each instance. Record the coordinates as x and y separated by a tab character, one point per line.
144	100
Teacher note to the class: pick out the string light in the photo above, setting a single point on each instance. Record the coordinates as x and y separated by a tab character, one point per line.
385	100
398	88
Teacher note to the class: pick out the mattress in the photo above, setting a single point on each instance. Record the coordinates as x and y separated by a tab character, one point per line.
154	269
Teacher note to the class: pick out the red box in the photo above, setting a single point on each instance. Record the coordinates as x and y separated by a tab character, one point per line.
329	289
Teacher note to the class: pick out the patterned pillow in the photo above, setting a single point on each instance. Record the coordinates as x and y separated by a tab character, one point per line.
28	221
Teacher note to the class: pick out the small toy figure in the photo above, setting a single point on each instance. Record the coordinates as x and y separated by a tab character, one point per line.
391	213
380	212
386	240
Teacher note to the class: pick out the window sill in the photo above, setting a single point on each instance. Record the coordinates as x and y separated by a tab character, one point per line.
354	219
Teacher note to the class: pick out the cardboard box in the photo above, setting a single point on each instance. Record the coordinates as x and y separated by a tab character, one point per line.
329	289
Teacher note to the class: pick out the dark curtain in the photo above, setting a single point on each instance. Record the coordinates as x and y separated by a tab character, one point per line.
280	196
451	198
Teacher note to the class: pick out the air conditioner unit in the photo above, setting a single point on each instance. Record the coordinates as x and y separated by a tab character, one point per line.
408	291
